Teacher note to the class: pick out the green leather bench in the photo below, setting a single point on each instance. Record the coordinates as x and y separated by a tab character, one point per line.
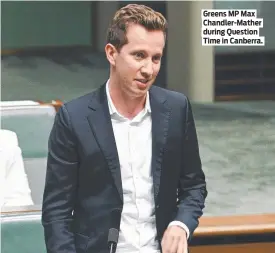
22	233
32	124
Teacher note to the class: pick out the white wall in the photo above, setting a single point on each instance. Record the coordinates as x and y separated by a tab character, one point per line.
190	65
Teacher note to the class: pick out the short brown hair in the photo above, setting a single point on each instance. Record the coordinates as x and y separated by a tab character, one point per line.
134	14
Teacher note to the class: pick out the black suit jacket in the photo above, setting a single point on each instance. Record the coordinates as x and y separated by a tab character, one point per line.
83	190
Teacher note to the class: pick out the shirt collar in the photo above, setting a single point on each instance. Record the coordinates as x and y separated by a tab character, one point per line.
112	108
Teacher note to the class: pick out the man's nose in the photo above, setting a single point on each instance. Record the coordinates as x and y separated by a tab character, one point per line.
147	69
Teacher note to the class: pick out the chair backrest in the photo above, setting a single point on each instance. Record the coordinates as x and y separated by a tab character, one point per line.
22	233
36	172
32	122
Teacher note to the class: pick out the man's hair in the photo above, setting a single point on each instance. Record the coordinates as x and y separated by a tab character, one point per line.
134	14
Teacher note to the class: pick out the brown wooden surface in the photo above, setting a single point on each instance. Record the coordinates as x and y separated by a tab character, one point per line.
231	225
246	97
55	103
9	51
246	81
241	67
236	248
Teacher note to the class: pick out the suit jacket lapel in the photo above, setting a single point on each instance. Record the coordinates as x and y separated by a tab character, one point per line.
160	124
100	122
101	125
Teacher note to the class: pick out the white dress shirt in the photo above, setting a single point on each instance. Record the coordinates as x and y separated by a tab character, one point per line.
134	144
15	189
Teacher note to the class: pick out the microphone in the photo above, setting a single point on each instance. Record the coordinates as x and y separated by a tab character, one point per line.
112	239
114	230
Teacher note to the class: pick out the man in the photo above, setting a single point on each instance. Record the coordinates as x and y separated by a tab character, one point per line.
125	156
15	189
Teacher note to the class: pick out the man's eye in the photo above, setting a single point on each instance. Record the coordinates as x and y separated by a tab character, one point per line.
156	58
139	55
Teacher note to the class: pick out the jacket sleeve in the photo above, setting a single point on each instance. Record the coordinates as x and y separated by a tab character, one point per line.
192	190
60	186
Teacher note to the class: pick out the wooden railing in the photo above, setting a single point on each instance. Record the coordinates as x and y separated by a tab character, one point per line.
235	234
55	103
232	225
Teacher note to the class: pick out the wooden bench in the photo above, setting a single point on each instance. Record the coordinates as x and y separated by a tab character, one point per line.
235	234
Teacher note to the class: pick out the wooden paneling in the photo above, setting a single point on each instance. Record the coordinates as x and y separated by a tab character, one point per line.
245	76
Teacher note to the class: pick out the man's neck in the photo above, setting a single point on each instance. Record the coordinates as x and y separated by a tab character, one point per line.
126	106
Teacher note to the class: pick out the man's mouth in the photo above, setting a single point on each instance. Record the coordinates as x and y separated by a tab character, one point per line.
142	80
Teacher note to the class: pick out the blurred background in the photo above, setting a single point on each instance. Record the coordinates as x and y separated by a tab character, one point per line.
55	50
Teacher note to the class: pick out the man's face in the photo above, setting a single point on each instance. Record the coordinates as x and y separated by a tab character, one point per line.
138	62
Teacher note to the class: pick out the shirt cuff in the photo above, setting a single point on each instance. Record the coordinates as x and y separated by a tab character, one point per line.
182	225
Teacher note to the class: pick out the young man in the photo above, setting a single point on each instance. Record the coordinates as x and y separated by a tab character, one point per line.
125	156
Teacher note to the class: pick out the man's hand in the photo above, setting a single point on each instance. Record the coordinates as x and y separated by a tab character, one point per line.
174	240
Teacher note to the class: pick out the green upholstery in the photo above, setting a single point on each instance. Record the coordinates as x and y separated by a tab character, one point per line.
36	172
32	124
22	234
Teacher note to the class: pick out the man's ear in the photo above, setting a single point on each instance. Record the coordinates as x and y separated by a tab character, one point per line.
111	53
